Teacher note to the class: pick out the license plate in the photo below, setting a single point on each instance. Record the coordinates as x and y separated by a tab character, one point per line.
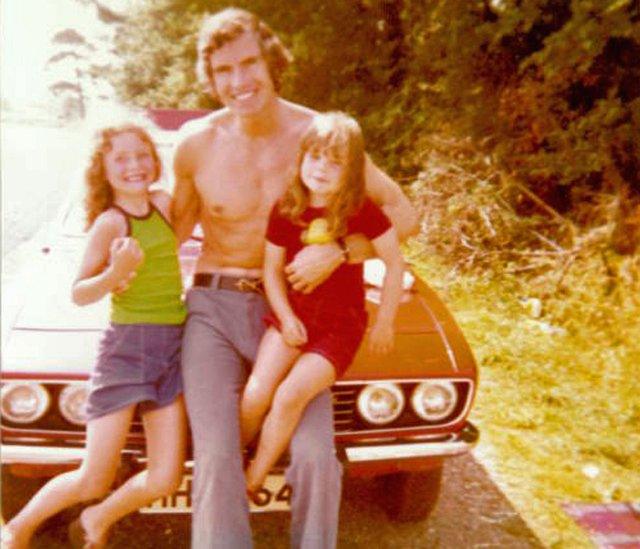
275	495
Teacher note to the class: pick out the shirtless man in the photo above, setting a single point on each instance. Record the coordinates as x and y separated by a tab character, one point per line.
231	166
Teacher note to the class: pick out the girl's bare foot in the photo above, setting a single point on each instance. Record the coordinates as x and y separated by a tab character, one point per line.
83	533
252	480
9	539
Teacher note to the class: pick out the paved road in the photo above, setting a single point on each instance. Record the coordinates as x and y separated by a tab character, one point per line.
471	513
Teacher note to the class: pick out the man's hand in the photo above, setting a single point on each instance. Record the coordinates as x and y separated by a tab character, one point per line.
293	331
313	265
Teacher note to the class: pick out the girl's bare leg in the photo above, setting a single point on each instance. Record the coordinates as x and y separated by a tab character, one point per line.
273	362
105	438
165	431
310	375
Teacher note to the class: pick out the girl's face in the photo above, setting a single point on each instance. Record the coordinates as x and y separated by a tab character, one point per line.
130	165
322	173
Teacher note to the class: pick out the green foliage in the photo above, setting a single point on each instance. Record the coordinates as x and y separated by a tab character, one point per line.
159	46
549	88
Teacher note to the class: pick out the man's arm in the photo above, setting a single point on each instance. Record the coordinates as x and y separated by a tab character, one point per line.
387	194
185	206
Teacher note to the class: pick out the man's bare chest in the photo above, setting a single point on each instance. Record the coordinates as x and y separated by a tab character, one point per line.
234	185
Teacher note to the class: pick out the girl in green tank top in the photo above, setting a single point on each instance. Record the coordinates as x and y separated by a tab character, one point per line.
154	295
131	254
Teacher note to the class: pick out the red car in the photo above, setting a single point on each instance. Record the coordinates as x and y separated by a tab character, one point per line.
398	416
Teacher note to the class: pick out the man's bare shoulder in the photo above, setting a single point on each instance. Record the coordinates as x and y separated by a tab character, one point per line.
297	117
296	113
204	127
197	135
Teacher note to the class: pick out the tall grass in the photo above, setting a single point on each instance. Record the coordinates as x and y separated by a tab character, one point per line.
558	402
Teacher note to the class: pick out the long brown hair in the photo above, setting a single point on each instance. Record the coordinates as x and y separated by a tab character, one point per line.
99	195
340	136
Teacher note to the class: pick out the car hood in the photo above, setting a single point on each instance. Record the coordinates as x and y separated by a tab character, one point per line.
50	353
51	334
46	294
428	343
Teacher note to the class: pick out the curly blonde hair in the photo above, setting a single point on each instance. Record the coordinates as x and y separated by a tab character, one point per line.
227	25
99	194
340	136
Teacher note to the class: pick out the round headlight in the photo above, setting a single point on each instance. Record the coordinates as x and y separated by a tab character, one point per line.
380	403
24	402
72	401
434	400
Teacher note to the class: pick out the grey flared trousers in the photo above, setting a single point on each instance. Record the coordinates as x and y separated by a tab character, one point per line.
221	338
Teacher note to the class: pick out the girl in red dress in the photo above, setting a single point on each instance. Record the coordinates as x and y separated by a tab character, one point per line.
313	337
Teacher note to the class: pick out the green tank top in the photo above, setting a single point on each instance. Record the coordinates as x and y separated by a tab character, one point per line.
155	294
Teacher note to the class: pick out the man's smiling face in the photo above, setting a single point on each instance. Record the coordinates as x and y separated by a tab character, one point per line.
241	75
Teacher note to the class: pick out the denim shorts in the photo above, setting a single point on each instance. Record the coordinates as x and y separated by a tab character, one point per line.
137	363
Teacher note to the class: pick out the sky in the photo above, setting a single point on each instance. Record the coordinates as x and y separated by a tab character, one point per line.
26	29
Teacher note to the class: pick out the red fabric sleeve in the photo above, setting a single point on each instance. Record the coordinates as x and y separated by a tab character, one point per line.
279	228
370	220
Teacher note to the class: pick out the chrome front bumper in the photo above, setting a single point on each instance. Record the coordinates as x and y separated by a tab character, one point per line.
39	455
428	446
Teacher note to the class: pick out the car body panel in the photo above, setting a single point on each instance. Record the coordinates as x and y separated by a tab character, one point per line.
59	352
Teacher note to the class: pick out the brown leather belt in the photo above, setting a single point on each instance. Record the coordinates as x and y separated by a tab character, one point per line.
225	282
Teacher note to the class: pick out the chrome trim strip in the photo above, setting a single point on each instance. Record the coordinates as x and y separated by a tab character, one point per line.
403	380
441	333
464	442
52	455
44	381
41	454
400	451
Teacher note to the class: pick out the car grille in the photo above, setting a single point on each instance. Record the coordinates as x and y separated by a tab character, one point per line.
344	403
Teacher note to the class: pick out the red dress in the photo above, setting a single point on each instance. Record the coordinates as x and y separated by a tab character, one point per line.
334	313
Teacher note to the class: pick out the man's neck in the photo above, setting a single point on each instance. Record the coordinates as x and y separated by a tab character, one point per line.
261	124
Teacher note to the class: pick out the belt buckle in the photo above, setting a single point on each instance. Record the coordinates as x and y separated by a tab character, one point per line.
247	285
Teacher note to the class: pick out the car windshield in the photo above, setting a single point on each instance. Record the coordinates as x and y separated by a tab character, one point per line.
74	220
